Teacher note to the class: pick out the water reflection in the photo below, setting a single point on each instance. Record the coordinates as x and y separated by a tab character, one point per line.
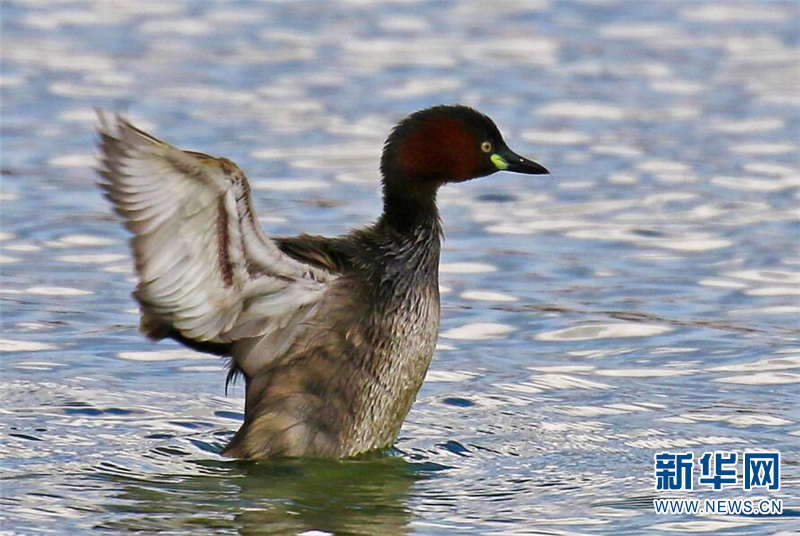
368	496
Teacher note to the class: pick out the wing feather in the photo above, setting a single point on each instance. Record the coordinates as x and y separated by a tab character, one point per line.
206	269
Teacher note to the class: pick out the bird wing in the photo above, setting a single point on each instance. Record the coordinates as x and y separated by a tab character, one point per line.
206	269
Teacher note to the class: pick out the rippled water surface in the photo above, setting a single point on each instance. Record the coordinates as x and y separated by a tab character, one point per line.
645	297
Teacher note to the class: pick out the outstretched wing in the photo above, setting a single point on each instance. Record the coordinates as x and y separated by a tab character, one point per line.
206	269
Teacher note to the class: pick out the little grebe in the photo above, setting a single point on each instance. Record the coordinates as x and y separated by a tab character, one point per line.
332	335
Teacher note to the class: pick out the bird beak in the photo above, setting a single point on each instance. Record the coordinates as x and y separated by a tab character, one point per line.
508	160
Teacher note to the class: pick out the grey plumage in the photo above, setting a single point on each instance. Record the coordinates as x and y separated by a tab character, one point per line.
333	336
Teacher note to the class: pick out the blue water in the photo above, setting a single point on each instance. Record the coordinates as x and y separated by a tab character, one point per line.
644	298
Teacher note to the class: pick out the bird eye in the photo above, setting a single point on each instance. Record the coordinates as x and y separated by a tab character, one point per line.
486	147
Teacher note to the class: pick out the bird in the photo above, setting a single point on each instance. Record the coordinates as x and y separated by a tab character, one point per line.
333	336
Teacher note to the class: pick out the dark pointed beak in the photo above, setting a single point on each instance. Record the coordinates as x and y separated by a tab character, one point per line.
508	160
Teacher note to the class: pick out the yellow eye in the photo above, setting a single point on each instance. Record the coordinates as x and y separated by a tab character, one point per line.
486	147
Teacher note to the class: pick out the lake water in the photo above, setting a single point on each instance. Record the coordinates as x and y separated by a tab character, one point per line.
643	298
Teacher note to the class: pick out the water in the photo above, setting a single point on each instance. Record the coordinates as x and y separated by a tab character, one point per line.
643	298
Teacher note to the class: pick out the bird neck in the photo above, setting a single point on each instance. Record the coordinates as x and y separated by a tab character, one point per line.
409	205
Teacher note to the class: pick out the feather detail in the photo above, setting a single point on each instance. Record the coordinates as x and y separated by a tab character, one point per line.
208	274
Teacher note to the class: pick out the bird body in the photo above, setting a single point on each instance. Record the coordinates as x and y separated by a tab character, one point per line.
352	377
333	336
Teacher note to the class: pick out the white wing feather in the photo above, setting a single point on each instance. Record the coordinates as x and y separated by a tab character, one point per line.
205	267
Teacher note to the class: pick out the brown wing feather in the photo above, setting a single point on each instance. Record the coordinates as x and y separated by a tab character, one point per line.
207	273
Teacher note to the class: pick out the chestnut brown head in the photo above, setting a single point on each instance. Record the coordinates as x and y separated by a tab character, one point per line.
446	144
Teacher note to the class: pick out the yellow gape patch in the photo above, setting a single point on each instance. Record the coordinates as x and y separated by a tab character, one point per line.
499	161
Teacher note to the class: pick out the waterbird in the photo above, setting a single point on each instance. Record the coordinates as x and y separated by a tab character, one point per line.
333	336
